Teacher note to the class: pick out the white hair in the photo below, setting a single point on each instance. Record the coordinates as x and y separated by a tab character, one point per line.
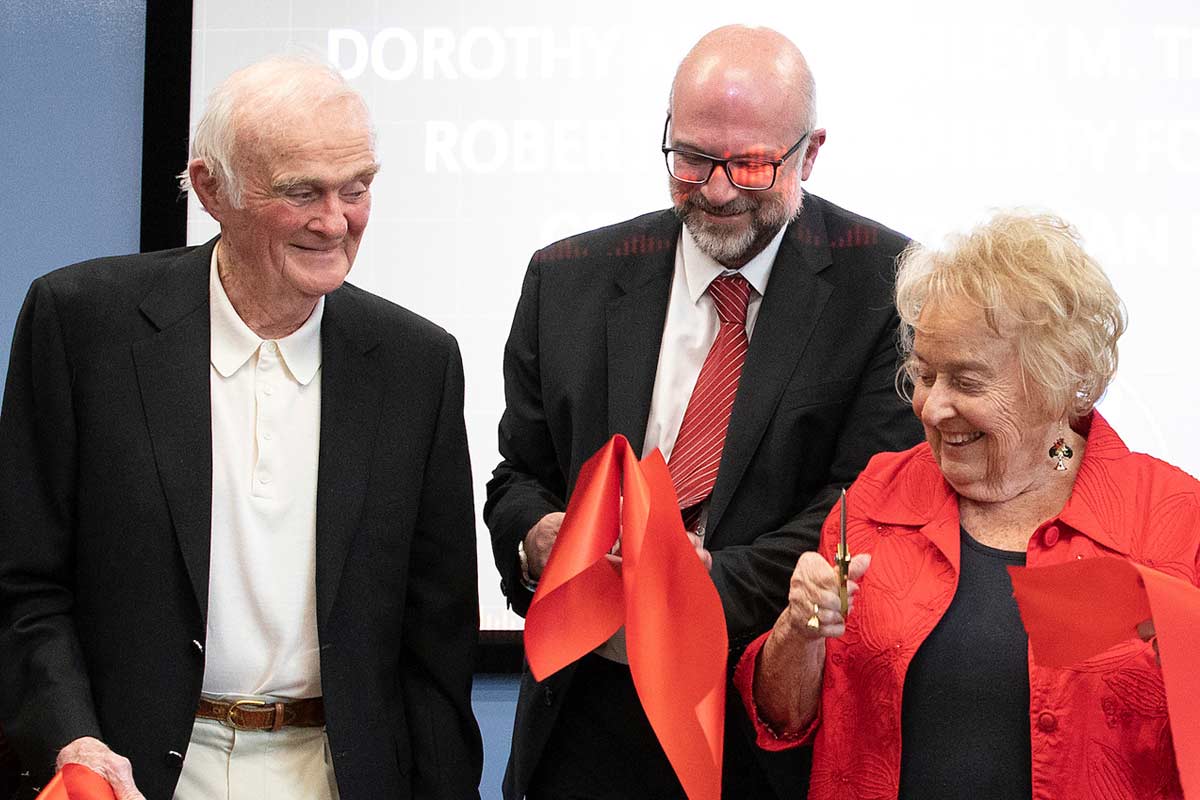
257	101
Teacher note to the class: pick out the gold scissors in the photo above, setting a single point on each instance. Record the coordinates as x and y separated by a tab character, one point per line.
843	561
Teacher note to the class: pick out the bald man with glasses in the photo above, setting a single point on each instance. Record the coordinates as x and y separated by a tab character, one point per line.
748	333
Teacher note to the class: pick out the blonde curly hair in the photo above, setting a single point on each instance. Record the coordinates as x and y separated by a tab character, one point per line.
1028	271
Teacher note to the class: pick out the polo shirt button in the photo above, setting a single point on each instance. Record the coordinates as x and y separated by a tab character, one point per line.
174	758
549	697
1047	722
199	647
1051	536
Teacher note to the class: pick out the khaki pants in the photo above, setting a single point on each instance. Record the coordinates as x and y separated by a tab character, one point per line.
227	764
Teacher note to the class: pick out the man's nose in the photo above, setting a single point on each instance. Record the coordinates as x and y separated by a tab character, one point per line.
718	190
329	217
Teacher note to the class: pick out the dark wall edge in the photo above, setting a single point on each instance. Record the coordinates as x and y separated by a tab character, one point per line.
166	103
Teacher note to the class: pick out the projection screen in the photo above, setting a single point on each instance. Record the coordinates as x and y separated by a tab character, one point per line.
506	125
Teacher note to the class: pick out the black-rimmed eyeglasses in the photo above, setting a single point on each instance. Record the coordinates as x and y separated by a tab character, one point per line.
751	174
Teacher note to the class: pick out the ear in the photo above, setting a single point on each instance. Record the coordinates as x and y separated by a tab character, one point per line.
208	189
815	140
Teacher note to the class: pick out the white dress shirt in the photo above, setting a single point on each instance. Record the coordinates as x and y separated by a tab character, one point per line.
690	329
266	427
688	333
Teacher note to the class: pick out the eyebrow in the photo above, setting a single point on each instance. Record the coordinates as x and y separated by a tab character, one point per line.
688	147
307	180
959	366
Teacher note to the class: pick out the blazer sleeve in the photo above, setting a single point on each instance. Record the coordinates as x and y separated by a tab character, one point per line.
528	483
441	619
753	579
45	696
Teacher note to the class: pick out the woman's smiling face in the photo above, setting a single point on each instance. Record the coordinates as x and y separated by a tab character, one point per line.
989	438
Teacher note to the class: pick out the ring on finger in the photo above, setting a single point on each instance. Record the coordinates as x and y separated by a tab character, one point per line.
814	622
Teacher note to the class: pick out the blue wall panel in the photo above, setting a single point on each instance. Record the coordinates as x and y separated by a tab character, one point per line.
70	138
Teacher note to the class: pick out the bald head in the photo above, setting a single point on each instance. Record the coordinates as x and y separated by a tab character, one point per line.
747	70
742	95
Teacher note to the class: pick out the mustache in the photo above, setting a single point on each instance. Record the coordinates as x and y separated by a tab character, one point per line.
737	205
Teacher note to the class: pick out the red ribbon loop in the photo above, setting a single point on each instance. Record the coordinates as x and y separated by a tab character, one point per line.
674	624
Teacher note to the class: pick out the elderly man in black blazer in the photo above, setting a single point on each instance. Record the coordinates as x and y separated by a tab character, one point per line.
237	551
613	330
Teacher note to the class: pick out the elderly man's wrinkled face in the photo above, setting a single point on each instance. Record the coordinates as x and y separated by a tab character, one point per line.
305	202
730	224
988	437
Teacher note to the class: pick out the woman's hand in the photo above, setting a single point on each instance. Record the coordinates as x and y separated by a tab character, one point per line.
787	677
814	609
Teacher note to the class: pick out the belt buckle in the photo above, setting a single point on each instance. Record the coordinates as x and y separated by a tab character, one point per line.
233	706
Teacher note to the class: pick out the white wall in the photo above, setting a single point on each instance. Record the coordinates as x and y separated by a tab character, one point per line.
505	125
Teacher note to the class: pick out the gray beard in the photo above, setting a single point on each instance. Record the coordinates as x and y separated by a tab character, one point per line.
727	248
721	247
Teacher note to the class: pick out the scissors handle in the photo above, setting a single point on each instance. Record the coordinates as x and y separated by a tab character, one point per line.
843	575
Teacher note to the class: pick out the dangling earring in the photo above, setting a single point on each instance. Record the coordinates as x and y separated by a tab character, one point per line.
1062	452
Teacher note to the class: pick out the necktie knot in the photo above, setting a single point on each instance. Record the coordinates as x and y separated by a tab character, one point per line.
731	296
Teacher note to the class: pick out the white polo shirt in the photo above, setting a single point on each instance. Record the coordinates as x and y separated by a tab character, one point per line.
266	428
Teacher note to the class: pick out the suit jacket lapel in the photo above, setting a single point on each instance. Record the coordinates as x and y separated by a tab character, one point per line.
350	406
635	327
173	376
789	312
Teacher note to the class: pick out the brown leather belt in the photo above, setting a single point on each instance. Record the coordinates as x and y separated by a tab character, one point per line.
255	715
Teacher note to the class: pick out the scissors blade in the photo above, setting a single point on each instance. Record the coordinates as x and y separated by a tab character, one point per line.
842	543
843	561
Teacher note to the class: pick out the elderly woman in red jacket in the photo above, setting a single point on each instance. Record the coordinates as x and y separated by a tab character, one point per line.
927	688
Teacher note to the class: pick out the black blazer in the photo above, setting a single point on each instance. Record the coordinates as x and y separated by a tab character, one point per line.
816	400
105	498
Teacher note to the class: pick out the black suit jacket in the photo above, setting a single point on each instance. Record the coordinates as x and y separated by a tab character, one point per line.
105	498
816	400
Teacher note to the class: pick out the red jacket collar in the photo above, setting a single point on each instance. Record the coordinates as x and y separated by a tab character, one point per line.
908	489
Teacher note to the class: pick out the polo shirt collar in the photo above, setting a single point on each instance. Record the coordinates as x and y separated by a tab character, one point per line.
233	342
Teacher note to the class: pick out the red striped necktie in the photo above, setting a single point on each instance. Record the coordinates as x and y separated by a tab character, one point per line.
697	452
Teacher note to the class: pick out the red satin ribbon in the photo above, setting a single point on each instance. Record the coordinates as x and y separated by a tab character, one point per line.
1077	610
674	624
77	782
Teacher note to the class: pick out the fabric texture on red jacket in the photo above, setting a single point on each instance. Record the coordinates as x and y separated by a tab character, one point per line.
1099	729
